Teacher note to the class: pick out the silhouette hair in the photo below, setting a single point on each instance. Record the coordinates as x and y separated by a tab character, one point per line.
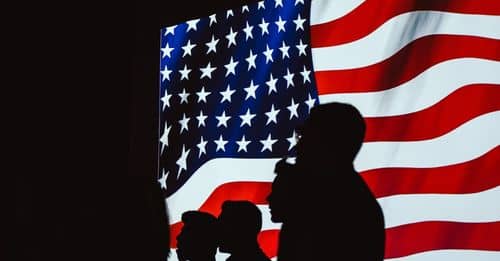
335	129
244	215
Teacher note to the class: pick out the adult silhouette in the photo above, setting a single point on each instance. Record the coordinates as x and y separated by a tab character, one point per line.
197	240
326	208
239	224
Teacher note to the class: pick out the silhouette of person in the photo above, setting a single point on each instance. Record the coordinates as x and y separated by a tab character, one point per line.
239	224
322	197
197	240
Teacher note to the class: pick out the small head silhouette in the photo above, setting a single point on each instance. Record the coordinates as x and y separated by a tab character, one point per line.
281	198
239	223
332	134
197	239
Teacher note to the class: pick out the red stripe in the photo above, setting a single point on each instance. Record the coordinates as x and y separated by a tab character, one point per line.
373	13
468	177
268	241
418	237
255	192
406	63
425	236
438	119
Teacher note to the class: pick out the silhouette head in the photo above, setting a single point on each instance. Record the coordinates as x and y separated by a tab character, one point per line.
197	239
239	222
281	198
332	134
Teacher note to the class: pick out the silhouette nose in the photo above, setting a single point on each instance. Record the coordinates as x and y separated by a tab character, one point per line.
269	198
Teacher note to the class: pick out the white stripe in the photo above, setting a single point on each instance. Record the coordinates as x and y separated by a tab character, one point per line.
474	207
323	11
267	224
424	90
212	174
469	141
451	255
400	31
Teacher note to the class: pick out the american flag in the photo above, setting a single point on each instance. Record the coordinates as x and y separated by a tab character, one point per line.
425	74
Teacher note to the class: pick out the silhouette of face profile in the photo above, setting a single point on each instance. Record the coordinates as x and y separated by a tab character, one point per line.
197	239
333	133
280	198
239	224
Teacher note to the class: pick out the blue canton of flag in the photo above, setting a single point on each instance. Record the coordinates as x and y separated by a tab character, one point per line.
233	85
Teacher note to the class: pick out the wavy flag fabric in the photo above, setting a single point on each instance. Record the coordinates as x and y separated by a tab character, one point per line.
425	75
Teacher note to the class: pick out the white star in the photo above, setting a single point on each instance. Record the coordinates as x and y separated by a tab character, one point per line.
281	24
202	147
272	115
251	90
305	73
284	50
163	180
310	102
278	3
231	37
245	7
272	84
302	48
213	19
230	67
248	31
184	96
185	73
247	118
187	48
293	109
164	136
166	51
192	24
289	78
242	144
166	100
226	95
184	123
212	45
264	27
170	30
181	162
251	60
207	71
201	119
220	144
261	5
299	1
299	23
165	73
292	140
269	54
229	13
267	144
202	95
223	119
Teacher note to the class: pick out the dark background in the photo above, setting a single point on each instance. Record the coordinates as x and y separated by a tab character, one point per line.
84	134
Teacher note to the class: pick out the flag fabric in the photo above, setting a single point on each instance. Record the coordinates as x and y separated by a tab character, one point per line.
424	74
